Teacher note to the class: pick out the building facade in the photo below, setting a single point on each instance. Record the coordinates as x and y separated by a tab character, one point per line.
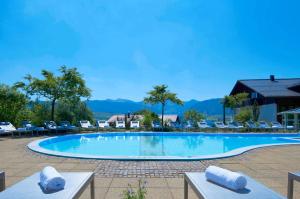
272	95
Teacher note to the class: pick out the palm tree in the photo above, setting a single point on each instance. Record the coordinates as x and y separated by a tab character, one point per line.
161	95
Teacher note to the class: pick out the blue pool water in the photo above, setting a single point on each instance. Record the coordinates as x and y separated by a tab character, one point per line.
157	145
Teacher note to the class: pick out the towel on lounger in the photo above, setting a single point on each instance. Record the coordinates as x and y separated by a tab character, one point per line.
51	180
226	178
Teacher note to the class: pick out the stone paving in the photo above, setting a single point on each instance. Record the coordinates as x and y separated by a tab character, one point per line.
164	178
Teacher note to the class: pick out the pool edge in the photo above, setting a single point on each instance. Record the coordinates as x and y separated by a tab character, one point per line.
34	146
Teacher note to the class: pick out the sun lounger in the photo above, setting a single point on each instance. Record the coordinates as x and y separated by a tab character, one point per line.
50	125
276	125
220	125
2	181
120	124
295	176
7	127
263	125
102	124
85	124
76	183
36	129
251	125
235	125
203	124
23	130
66	126
155	125
208	190
134	124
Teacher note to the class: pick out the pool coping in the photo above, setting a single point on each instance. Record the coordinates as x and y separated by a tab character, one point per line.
34	146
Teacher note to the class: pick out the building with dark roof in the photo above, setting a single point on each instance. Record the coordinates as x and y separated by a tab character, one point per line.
272	95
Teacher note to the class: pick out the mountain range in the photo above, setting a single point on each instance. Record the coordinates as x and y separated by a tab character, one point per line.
105	108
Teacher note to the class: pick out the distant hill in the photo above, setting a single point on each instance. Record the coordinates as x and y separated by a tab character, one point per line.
105	108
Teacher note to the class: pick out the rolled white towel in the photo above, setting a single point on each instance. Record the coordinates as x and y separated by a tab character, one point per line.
226	178
51	180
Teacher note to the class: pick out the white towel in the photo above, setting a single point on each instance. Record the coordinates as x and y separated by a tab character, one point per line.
226	178
51	180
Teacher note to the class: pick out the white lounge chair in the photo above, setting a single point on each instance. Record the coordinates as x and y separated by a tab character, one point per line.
251	125
134	124
76	183
207	190
220	125
188	125
102	124
50	125
235	125
155	125
86	124
7	127
203	124
29	126
66	126
263	125
276	125
23	130
120	124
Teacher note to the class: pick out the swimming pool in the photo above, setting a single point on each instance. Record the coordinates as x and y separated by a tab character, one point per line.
157	146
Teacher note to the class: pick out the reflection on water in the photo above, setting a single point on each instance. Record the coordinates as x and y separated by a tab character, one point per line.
155	144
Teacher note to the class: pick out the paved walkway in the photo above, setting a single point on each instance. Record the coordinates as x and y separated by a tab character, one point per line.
164	179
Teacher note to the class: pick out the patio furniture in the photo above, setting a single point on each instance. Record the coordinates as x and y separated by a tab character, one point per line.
251	125
76	183
291	178
208	190
85	124
220	125
263	125
2	181
7	128
25	131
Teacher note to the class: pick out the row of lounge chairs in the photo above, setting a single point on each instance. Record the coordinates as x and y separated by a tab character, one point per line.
28	127
238	125
104	124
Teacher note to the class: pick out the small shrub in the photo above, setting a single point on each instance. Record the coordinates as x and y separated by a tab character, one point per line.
139	194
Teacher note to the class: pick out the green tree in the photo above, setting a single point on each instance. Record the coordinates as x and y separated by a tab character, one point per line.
12	104
193	116
244	115
69	86
73	111
41	112
149	117
233	101
160	95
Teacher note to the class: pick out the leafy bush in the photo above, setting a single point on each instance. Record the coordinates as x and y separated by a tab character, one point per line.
139	194
244	115
73	112
193	116
149	117
12	103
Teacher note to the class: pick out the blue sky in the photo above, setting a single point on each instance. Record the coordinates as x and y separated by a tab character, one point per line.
198	48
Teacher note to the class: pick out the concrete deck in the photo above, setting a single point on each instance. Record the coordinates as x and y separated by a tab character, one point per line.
164	179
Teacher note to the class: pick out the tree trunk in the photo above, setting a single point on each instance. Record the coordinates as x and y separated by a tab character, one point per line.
224	114
162	115
52	109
